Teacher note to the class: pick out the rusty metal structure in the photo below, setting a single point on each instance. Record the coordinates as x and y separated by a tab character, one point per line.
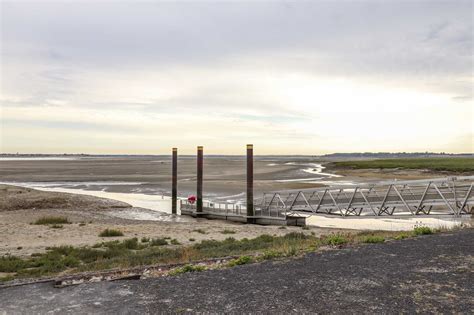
452	195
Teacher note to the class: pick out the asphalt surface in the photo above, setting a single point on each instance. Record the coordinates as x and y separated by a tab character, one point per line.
428	274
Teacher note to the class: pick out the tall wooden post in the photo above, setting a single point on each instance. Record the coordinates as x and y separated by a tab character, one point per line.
174	188
250	211
199	179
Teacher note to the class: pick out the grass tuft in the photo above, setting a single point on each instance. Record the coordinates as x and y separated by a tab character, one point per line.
242	260
51	220
422	230
187	268
110	233
335	240
158	242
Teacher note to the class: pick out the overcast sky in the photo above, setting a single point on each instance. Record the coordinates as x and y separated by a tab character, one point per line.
291	77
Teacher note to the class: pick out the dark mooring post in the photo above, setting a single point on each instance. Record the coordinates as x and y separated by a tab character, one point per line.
174	189
250	212
199	179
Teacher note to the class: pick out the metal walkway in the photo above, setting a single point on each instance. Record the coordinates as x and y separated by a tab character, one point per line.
453	195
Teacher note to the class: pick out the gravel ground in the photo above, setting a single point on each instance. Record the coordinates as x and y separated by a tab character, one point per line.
429	274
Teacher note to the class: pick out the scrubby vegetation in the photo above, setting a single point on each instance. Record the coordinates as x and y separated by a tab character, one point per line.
187	268
132	252
52	220
110	233
422	230
435	164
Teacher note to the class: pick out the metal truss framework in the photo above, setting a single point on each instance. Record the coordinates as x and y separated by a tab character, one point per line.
453	195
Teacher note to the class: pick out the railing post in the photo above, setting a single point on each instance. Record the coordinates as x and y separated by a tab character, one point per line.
199	179
174	188
250	208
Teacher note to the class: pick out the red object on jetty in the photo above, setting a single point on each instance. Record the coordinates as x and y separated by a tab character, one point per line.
192	199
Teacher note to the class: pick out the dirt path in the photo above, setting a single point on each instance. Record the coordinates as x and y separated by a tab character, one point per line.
430	274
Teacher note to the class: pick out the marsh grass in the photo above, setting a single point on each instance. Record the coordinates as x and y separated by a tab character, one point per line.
51	220
436	164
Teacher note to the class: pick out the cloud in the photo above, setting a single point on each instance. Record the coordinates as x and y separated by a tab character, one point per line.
276	72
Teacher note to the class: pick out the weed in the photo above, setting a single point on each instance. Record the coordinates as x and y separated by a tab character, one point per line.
57	226
158	242
422	230
82	224
175	242
6	278
187	268
282	228
110	233
402	236
336	239
192	239
201	231
145	239
242	260
51	220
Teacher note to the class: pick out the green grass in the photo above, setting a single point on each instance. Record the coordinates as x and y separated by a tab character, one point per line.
131	252
242	260
435	164
335	240
51	220
110	233
422	230
187	268
158	242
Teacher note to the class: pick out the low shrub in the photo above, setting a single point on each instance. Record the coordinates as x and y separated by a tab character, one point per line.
422	230
158	242
52	220
187	268
242	260
175	242
335	239
110	233
401	236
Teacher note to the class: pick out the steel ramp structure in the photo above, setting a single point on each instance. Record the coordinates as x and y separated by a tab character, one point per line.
452	195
